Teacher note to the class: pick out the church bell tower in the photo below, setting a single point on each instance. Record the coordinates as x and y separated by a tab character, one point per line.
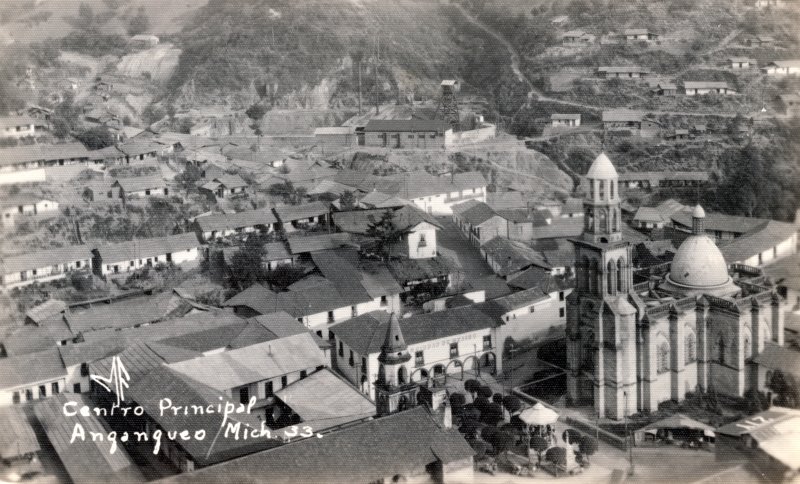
394	391
601	321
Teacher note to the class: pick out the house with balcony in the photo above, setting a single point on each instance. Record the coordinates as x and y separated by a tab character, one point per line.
442	343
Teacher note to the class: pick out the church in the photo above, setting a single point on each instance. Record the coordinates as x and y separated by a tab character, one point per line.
636	340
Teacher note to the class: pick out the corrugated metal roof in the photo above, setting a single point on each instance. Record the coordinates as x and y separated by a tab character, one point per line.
18	437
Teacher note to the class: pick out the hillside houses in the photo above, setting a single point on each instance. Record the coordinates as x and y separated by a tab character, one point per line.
210	227
479	222
418	229
565	120
577	37
23	205
21	126
782	68
635	35
738	63
140	187
135	254
294	217
631	122
405	133
623	72
224	186
699	88
43	265
27	163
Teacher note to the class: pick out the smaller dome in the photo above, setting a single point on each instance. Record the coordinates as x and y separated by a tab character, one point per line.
698	212
602	169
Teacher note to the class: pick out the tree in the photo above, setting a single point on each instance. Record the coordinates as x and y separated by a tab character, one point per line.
256	112
139	24
246	267
386	235
65	116
284	276
571	435
348	200
188	178
470	412
469	427
492	414
539	444
481	403
557	455
96	138
471	386
290	194
512	404
152	113
587	446
497	398
787	391
485	391
499	440
457	402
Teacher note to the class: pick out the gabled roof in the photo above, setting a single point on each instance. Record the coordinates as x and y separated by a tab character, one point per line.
786	63
18	437
42	152
164	382
417	184
760	239
140	183
622	69
512	256
315	243
354	278
51	307
555	116
776	357
559	228
637	32
521	299
232	221
90	460
44	258
126	313
741	59
505	200
648	214
476	213
334	130
365	334
538	278
290	213
705	85
43	366
323	401
143	248
254	363
403	125
404	443
404	219
140	147
381	200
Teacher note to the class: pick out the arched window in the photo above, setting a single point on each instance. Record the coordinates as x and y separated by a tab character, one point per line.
614	221
611	276
611	192
690	347
721	349
602	219
402	376
747	342
662	357
620	277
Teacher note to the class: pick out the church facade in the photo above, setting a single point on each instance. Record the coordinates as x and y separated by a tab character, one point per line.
694	324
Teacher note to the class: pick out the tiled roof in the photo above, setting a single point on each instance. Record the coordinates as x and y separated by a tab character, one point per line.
44	258
290	213
758	240
323	401
623	69
397	125
90	460
365	334
719	221
49	308
655	176
787	63
573	205
648	214
18	437
521	299
356	281
32	368
636	31
143	248
231	181
705	85
539	278
505	200
404	219
559	228
381	200
137	147
556	116
476	213
140	183
42	152
232	221
315	243
334	130
406	270
254	363
126	313
512	255
401	444
164	382
417	184
781	358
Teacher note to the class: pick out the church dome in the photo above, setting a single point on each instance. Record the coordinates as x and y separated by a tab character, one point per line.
699	264
602	169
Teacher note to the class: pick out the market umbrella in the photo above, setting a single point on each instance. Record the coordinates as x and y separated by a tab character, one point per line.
538	415
680	421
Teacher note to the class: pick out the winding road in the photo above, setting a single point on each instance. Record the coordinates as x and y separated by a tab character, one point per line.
536	95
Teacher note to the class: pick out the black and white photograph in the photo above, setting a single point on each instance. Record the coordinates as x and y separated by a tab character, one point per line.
399	241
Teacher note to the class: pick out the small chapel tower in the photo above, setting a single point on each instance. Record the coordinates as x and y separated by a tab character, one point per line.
394	391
